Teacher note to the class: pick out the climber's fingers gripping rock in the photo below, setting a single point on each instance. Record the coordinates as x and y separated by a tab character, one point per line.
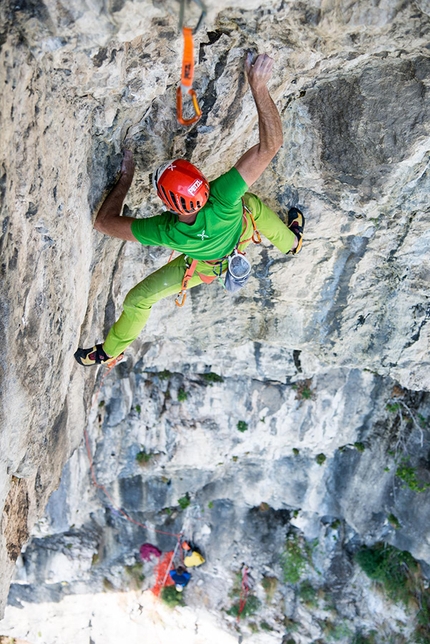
259	71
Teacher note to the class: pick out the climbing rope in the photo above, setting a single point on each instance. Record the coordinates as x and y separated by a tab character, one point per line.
187	75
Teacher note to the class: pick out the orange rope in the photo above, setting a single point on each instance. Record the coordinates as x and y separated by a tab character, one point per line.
243	591
162	579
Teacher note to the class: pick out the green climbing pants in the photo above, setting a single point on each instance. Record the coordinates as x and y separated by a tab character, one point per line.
168	279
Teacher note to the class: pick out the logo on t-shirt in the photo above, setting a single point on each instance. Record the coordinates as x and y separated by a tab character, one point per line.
203	235
195	186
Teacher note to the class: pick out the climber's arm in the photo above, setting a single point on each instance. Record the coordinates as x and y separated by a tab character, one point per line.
109	220
253	163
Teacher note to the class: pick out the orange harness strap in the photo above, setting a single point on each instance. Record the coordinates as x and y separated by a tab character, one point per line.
182	295
187	76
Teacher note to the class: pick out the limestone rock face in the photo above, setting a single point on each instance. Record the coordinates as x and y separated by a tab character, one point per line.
345	321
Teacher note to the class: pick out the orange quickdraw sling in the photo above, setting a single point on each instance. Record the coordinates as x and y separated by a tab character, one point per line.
256	238
186	85
187	76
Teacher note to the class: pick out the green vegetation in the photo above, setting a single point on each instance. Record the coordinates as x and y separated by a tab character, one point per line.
408	474
303	389
210	505
422	420
242	607
308	594
102	403
296	451
389	567
138	408
392	407
291	627
250	607
294	559
184	501
242	426
143	457
359	638
135	571
400	576
165	374
336	632
171	597
320	458
212	377
359	446
270	585
306	393
265	626
393	520
182	394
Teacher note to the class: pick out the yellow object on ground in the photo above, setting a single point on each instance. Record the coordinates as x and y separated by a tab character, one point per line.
194	559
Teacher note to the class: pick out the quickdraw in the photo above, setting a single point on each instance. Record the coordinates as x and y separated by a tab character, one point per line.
187	76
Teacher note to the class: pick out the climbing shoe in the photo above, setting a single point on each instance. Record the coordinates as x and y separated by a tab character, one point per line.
94	355
296	223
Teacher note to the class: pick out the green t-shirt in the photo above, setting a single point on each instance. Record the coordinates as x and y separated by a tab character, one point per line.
215	231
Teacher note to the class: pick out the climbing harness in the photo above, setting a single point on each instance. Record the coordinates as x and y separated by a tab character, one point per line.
238	268
187	76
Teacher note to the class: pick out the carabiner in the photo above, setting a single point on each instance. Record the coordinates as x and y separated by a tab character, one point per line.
196	106
181	297
256	237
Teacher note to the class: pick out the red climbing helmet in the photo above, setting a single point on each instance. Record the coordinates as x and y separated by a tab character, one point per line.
181	186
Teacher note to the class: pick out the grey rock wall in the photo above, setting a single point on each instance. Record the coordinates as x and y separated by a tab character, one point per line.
351	82
318	459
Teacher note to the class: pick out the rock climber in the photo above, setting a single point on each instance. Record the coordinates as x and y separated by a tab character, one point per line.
181	577
207	222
